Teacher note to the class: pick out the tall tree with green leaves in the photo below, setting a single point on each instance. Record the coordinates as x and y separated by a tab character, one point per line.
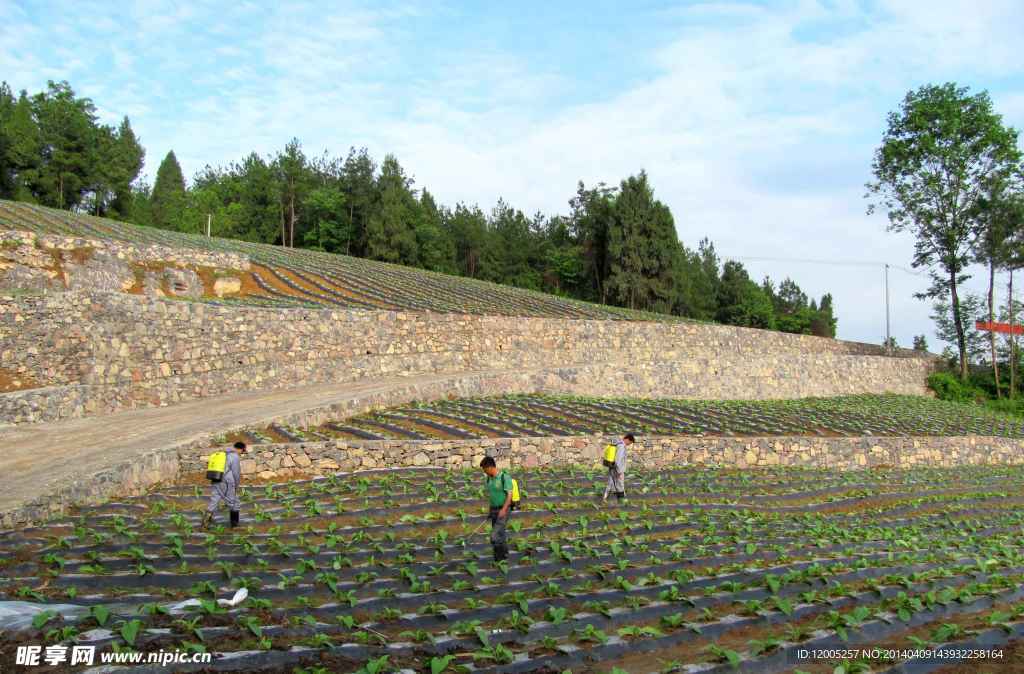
823	322
361	195
741	301
1010	210
435	245
23	149
389	232
324	208
167	201
629	243
140	209
591	218
293	175
990	249
127	161
793	311
564	268
7	103
972	309
255	186
939	151
1000	223
706	279
103	172
67	126
468	230
642	247
513	254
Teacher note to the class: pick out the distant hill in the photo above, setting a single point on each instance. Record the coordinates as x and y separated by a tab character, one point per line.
291	275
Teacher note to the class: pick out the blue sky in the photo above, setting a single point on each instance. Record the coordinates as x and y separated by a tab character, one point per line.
755	121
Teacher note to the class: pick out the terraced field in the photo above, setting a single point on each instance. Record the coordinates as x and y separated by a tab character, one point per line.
540	415
288	277
700	570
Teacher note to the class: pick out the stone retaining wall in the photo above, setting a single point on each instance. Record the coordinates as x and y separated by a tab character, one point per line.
130	351
127	478
21	247
273	461
284	461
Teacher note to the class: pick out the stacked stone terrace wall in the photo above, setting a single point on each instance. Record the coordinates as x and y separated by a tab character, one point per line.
281	461
98	353
18	249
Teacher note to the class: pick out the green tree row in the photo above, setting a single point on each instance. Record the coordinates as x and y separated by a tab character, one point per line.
54	151
616	244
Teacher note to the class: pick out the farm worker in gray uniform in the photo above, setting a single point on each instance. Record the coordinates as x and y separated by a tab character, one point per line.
499	499
227	489
617	473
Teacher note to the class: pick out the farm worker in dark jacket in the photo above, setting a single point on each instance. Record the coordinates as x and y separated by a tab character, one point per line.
617	473
499	495
227	489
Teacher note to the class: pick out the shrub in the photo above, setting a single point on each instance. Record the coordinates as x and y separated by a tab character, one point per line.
1015	406
948	387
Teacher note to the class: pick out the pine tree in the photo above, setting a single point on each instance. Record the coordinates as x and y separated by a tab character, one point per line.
564	267
590	221
67	126
7	103
324	208
512	253
360	195
468	230
642	248
128	160
389	231
792	311
825	308
741	301
167	201
436	247
292	173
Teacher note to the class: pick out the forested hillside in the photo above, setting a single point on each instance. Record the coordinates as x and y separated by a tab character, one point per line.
615	245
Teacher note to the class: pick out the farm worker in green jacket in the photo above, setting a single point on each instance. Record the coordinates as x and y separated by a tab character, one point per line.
227	489
499	495
617	473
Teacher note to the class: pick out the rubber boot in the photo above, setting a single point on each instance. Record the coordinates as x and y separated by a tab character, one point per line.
620	495
234	519
207	519
500	553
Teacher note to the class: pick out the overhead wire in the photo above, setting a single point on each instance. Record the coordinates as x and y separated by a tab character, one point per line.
882	266
836	263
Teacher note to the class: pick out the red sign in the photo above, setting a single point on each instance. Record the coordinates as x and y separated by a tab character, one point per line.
1000	327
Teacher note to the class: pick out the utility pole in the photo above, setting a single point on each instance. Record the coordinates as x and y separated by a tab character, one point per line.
209	220
888	336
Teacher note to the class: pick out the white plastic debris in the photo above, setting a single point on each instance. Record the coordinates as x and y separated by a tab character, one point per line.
239	597
98	634
17	615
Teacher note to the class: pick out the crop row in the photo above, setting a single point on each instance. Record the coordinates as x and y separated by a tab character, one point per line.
552	415
382	571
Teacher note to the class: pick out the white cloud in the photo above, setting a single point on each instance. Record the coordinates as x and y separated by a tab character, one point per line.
742	99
